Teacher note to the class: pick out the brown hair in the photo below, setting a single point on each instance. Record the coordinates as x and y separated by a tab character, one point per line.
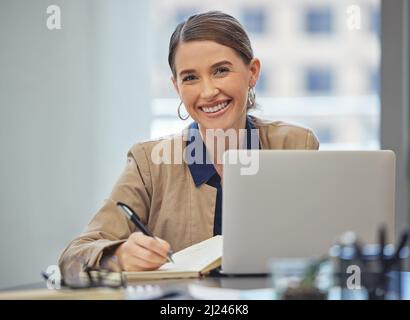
214	26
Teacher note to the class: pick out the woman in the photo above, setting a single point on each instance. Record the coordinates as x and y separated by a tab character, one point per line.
214	73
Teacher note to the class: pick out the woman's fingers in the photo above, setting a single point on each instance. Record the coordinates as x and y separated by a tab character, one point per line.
137	264
157	245
148	255
141	252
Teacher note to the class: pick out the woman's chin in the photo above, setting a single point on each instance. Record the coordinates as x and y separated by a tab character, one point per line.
216	124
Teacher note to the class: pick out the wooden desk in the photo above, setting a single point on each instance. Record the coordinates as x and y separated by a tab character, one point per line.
181	285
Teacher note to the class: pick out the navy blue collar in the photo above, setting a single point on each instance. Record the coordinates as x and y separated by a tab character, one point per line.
204	170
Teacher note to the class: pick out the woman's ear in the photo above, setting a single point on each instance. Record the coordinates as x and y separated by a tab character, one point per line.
254	67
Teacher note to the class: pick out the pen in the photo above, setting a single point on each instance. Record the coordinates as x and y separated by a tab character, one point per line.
382	241
358	250
402	242
382	261
137	222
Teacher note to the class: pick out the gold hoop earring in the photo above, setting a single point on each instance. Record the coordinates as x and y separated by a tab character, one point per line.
179	113
251	97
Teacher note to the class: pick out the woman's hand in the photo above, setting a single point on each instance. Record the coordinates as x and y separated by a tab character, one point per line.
141	252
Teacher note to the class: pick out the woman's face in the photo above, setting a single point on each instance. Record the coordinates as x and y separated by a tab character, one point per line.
212	82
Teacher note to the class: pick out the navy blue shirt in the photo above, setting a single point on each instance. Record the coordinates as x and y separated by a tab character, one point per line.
203	171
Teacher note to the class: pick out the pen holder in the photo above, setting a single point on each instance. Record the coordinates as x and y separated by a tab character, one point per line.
376	275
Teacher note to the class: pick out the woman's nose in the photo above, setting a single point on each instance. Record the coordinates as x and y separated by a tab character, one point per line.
208	90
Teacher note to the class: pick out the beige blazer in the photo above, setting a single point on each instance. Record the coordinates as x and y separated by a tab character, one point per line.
166	198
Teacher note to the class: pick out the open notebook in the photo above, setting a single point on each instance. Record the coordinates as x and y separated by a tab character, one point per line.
191	262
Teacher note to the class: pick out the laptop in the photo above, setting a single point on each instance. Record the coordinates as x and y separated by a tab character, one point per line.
297	203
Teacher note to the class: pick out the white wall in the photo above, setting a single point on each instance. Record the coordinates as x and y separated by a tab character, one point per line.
72	101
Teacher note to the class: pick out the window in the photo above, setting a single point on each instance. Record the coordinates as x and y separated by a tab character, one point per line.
319	21
254	20
325	134
375	21
261	86
184	13
319	80
374	81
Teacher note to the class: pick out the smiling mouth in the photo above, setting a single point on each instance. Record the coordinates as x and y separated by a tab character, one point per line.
215	109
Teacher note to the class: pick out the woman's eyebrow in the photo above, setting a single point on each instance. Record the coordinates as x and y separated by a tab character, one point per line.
213	66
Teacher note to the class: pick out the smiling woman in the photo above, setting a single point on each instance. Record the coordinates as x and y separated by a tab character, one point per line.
215	92
214	72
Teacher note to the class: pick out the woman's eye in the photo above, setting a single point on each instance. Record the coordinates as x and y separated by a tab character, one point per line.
188	78
222	70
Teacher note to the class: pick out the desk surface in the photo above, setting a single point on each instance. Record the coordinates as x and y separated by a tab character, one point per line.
256	285
39	291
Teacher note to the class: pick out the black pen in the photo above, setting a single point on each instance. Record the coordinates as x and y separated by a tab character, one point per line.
402	242
136	220
382	241
384	263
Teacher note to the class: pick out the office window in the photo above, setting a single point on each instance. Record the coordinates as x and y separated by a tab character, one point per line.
184	13
262	84
254	20
374	80
375	21
319	80
325	133
319	21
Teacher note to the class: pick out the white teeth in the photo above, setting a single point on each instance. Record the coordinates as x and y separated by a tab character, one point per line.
215	108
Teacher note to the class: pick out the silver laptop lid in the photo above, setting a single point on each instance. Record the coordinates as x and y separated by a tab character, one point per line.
298	203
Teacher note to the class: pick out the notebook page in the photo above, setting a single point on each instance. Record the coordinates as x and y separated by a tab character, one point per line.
196	257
